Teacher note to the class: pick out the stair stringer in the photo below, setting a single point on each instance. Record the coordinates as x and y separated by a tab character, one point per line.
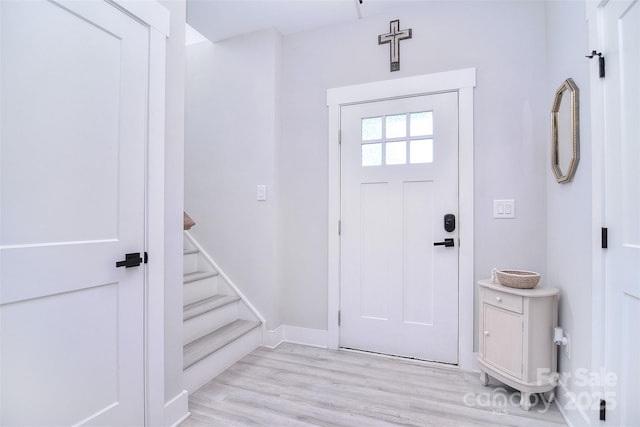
246	310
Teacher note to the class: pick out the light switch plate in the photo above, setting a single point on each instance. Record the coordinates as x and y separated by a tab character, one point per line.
261	193
504	208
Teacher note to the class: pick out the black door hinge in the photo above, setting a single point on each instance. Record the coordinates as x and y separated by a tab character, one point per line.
605	238
603	410
339	317
146	257
601	67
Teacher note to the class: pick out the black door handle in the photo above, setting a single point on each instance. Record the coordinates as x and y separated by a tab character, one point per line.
130	260
448	243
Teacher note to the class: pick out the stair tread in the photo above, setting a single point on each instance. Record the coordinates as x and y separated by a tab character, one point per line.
198	275
210	343
208	304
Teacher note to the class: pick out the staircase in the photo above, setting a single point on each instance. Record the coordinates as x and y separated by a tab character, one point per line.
219	326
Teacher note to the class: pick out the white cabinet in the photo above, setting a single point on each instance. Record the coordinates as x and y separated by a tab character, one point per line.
516	338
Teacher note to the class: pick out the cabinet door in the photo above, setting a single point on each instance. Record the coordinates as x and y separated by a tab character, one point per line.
503	339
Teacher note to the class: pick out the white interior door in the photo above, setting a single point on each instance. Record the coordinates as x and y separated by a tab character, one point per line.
72	204
399	167
622	139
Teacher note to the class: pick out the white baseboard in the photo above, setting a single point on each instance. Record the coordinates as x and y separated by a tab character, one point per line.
177	409
295	335
473	364
564	414
272	338
306	336
574	416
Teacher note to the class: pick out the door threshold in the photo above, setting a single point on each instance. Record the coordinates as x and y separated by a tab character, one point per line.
432	363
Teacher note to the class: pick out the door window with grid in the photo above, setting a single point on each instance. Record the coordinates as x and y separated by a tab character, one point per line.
397	139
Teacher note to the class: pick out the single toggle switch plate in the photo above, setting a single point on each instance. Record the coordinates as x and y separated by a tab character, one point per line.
261	193
504	208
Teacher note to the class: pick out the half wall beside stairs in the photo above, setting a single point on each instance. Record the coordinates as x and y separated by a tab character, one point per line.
220	326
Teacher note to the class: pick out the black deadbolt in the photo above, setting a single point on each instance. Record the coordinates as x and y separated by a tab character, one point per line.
449	222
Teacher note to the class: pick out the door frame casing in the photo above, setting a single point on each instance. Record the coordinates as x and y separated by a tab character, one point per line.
594	16
156	18
599	286
463	82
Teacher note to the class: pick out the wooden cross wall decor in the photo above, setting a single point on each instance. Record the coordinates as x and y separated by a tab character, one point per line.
393	37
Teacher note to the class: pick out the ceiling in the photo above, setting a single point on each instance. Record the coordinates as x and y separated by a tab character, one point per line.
221	19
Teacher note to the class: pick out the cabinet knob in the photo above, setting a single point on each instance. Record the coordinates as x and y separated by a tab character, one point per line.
486	333
499	299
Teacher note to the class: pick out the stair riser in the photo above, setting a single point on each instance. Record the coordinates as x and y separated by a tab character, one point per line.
205	323
200	289
208	368
186	244
190	264
218	301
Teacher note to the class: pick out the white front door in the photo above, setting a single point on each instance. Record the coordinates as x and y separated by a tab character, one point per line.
399	178
622	145
72	203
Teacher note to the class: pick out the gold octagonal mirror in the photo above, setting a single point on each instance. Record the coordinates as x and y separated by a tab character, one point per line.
565	139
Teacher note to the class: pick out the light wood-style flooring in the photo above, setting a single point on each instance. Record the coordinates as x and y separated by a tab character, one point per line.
296	385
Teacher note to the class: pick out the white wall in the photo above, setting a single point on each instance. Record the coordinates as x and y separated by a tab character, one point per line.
231	132
569	214
505	42
277	251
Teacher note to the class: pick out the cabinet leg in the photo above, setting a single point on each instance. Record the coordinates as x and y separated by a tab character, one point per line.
525	401
484	378
551	396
